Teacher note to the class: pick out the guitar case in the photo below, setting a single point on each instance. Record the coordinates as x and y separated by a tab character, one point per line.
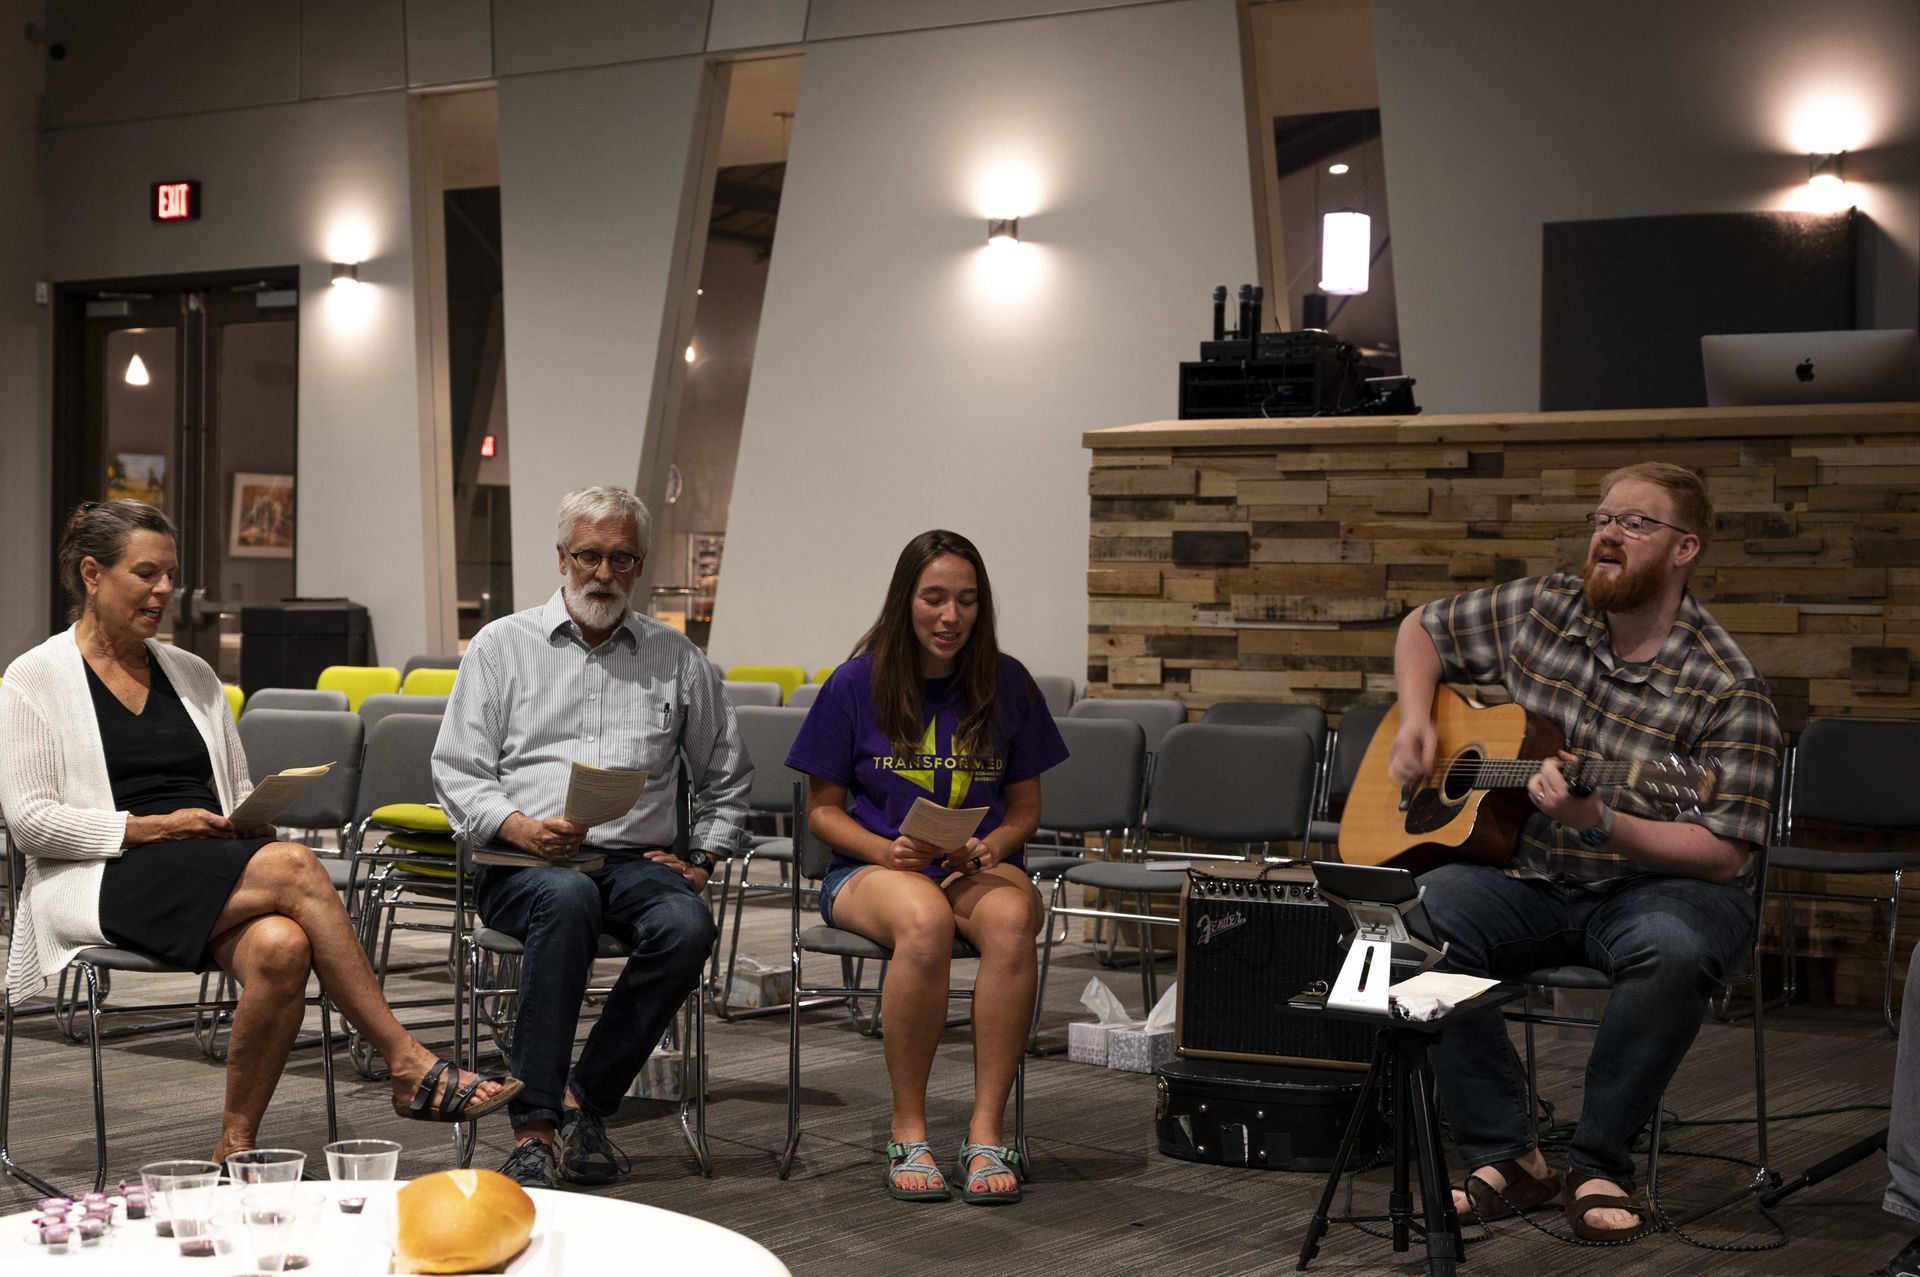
1273	1117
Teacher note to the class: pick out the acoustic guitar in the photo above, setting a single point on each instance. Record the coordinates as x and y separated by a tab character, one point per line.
1472	805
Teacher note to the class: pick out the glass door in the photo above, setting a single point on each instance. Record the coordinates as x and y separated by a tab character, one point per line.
185	396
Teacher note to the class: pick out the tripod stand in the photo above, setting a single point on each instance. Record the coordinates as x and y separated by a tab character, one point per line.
1401	1068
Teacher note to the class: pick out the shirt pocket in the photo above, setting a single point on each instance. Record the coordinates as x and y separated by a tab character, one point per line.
644	731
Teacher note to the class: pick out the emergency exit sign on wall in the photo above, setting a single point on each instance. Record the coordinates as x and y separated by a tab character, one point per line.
175	201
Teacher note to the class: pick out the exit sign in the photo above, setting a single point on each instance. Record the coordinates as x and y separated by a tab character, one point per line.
175	201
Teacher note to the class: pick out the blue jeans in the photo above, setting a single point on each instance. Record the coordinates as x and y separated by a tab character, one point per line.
1665	943
559	916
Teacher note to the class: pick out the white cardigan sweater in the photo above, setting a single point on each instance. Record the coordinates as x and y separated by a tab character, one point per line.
58	799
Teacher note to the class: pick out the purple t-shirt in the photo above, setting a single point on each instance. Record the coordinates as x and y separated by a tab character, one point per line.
841	741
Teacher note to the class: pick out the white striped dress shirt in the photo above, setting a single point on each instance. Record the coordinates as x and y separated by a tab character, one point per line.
532	699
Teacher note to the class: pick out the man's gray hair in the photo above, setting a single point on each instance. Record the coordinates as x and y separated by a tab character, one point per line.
608	501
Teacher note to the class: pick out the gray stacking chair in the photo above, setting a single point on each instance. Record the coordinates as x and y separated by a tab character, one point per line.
94	969
1857	773
767	731
381	704
1215	784
1349	750
276	739
854	950
1591	979
741	693
488	981
294	698
1059	691
394	865
803	696
1310	719
428	663
1156	717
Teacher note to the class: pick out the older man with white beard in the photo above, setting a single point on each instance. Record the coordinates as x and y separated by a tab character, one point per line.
1625	661
583	678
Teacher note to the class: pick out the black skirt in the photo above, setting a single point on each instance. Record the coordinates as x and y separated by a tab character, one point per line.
162	898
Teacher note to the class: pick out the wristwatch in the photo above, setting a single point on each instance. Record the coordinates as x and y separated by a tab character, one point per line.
702	859
1601	833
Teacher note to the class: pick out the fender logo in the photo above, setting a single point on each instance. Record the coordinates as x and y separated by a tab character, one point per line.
1212	928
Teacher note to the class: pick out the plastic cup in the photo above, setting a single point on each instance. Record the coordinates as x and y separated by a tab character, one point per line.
267	1166
158	1176
190	1199
280	1224
349	1160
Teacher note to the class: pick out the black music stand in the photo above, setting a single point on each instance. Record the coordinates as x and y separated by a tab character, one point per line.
1400	1063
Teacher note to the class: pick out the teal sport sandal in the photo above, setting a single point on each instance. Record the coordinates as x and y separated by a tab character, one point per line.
995	1161
905	1157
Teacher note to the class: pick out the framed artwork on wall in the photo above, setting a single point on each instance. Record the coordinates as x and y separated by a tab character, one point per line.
261	523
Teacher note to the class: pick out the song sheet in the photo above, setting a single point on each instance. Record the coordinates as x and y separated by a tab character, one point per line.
274	795
596	795
947	828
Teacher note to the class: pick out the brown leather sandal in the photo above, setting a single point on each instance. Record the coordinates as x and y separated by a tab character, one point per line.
1577	1208
1523	1193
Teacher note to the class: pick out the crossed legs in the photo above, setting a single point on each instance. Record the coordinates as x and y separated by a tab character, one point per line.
999	913
282	921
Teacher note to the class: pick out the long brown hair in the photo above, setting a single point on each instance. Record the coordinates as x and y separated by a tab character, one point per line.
897	685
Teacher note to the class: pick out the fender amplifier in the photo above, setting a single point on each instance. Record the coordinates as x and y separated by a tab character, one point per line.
1251	937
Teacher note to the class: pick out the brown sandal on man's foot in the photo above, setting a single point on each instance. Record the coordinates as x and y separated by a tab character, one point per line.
1577	1208
1524	1192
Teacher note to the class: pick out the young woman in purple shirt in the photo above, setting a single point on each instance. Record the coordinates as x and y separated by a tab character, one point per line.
929	708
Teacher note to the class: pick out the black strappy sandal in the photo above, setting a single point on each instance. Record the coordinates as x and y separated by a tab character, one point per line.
456	1104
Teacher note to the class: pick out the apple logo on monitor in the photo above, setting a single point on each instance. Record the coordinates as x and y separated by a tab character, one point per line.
1804	371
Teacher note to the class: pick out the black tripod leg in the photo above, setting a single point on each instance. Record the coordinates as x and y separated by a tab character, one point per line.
1400	1197
1445	1246
1827	1169
1317	1226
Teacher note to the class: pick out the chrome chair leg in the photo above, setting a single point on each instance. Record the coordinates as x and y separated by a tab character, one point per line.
99	1088
7	1161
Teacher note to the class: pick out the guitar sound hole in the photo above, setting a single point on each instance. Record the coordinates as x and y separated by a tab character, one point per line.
1457	781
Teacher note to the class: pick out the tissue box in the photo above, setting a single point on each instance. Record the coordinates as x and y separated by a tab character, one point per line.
660	1078
1087	1043
754	986
1139	1050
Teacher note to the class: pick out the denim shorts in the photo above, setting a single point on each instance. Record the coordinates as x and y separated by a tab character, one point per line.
830	887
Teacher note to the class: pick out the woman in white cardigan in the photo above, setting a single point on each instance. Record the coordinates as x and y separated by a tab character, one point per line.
121	755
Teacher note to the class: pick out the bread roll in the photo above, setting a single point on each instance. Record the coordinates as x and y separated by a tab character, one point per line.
461	1222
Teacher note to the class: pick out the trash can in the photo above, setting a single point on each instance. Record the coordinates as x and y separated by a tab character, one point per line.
287	644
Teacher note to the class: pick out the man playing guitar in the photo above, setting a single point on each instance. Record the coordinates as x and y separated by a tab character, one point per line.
1630	666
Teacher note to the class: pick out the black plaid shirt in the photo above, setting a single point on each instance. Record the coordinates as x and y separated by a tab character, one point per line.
1700	698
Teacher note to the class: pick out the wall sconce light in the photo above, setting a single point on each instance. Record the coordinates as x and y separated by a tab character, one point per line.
1346	244
345	273
1003	231
137	372
1825	170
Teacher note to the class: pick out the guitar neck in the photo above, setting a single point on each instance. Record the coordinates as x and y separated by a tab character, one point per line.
1514	773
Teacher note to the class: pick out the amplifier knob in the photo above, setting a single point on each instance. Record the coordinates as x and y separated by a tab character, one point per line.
1259	1112
1203	1108
1200	1148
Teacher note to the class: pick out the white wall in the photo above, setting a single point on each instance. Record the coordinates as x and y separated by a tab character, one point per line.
26	462
301	184
907	377
592	177
1500	115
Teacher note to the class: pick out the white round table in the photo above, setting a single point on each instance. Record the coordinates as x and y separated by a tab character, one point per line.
572	1233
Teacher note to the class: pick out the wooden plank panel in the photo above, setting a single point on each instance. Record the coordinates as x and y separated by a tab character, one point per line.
1173	481
1134	671
1123	581
1304	492
1210	548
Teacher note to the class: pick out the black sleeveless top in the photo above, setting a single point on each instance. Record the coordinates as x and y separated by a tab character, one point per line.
156	759
163	898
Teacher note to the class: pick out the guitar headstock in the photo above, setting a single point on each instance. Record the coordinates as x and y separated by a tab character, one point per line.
1685	784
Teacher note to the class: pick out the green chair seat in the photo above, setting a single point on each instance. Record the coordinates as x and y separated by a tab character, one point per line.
416	817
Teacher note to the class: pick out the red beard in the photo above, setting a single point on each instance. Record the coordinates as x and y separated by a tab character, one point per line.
1623	589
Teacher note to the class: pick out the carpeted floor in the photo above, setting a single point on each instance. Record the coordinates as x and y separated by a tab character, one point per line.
1102	1201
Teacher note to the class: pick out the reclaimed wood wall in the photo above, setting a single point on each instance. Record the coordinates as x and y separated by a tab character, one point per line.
1273	560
